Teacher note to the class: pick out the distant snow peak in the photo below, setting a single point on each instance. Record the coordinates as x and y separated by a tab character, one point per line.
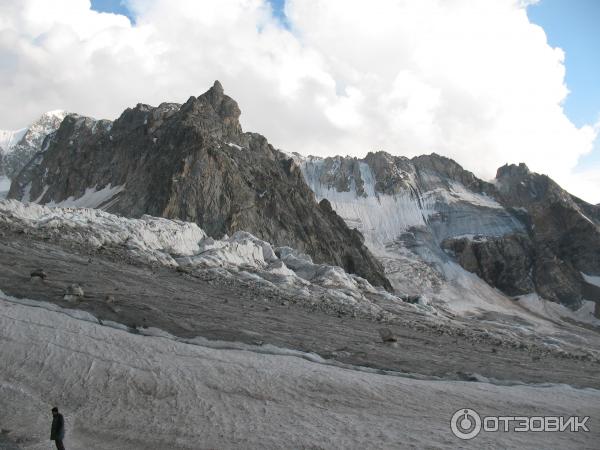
19	146
4	187
9	138
58	113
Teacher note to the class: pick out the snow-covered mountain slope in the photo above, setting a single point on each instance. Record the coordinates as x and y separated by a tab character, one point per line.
421	199
18	147
424	216
9	138
122	390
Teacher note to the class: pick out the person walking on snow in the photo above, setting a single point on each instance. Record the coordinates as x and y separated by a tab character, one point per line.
57	433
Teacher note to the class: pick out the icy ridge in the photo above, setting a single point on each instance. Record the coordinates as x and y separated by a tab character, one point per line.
9	138
18	147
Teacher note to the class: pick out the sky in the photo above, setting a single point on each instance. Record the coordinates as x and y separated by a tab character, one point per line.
485	83
573	26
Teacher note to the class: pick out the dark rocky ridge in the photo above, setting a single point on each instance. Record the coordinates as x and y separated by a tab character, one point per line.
504	262
564	230
193	162
562	237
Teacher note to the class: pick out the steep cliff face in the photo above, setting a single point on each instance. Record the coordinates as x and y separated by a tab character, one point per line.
192	162
564	230
504	262
521	233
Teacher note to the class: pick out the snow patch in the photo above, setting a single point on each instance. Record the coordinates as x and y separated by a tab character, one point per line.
554	311
592	279
472	237
92	198
458	193
231	144
10	138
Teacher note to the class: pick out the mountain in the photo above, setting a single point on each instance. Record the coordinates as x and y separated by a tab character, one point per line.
429	223
192	162
8	138
521	233
18	147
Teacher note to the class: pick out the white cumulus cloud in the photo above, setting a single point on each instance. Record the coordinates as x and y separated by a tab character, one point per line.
473	80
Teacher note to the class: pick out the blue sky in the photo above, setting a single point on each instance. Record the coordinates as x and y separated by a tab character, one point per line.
113	6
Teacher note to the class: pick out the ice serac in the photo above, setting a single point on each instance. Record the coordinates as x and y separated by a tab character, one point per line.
521	233
192	162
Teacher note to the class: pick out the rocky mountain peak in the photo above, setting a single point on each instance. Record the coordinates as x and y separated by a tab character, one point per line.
217	88
450	169
513	171
215	112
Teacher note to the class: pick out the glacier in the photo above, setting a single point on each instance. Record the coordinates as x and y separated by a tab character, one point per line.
242	256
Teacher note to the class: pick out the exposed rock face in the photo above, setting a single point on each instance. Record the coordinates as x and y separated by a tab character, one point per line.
521	234
22	145
564	230
192	162
504	262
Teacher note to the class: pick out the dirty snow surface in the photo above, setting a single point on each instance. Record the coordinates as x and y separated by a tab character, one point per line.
132	391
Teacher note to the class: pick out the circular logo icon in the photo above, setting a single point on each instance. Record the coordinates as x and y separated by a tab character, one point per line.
465	424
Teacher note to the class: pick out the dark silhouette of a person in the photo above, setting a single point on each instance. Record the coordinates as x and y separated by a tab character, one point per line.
57	433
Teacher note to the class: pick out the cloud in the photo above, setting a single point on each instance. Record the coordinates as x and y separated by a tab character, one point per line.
475	81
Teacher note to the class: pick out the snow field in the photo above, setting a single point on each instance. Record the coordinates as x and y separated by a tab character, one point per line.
121	390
